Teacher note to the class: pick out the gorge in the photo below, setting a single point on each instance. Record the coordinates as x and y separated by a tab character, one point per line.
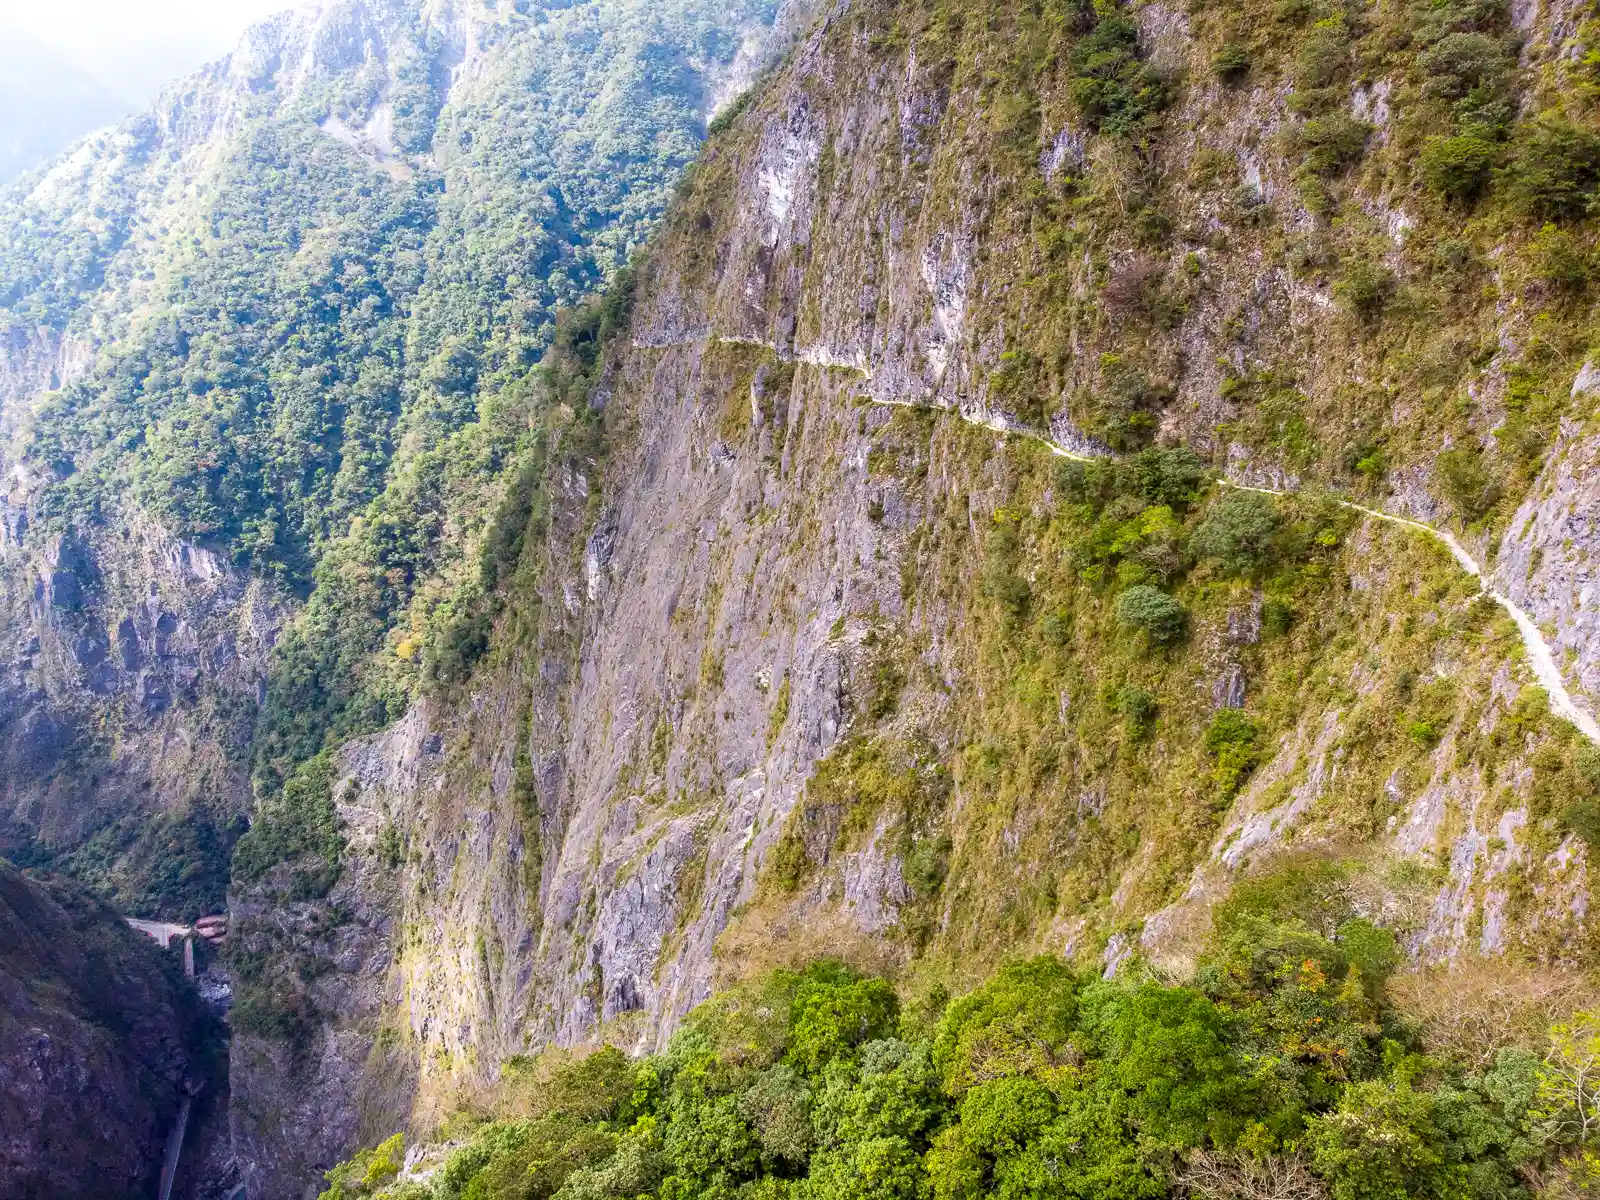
672	565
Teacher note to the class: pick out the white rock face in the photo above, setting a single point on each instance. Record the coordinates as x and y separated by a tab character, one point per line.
1549	558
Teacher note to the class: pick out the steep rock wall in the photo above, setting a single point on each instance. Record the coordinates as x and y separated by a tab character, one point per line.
779	586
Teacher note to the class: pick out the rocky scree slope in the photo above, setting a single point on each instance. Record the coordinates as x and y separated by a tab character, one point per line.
793	654
282	321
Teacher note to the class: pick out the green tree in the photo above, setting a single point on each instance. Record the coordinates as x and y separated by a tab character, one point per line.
1017	1023
1237	532
1157	615
1166	1054
835	1011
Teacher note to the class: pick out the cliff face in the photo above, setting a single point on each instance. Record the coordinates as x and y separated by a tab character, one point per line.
775	617
99	1039
266	288
823	654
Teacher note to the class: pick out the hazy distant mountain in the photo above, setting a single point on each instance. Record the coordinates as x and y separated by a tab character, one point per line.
46	103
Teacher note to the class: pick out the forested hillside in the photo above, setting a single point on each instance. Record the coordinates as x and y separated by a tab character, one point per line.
1285	1070
267	353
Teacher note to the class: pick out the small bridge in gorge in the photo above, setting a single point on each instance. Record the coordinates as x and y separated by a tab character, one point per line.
211	929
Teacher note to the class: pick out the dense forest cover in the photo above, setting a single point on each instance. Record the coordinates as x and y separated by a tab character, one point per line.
330	382
1293	1065
320	362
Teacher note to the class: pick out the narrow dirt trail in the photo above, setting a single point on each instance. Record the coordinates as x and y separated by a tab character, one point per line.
1540	656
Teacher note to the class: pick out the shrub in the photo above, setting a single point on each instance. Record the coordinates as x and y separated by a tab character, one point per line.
1383	1143
1237	532
1017	1023
1115	92
1138	708
1041	1083
1393	1140
1000	579
1209	166
1560	261
1277	616
1460	62
368	1171
1157	615
1138	288
1127	403
1230	739
1241	1175
1458	167
1553	172
1364	289
1568	1093
1167	1050
1466	481
1056	629
1434	21
927	864
1322	56
1169	476
835	1011
1334	142
1231	62
1454	260
1479	1006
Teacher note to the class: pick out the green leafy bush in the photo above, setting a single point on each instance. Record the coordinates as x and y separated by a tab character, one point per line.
1465	478
1230	739
1170	476
1334	142
1463	61
1553	172
1458	166
368	1172
1113	89
1152	612
1323	56
1137	707
1561	261
1126	404
1363	288
1237	533
1231	62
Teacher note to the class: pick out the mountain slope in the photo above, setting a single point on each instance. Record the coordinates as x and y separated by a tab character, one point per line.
797	651
279	328
761	621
